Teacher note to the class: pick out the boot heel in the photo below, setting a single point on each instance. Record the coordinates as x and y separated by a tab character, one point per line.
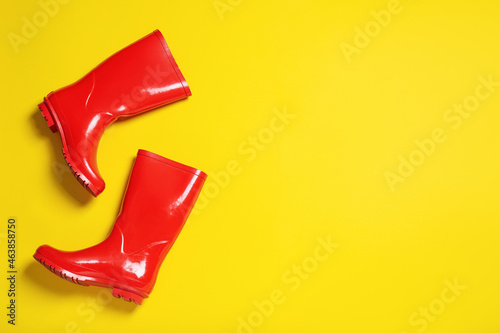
127	295
48	116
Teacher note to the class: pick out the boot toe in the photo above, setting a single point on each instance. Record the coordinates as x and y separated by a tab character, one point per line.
89	176
47	255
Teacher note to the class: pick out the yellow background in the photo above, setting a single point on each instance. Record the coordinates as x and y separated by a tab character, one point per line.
322	176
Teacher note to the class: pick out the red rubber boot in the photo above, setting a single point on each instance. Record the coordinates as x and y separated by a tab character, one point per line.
158	200
138	78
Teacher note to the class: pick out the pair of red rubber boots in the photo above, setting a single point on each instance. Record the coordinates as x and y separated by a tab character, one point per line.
160	192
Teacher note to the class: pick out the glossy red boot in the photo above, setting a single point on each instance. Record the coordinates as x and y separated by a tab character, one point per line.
158	200
138	78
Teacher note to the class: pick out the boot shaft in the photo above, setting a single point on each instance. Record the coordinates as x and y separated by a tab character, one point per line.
140	77
160	195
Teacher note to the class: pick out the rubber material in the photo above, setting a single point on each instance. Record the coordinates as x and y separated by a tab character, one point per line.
140	77
159	197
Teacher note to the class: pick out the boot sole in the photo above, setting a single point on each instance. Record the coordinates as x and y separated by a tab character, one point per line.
119	291
52	120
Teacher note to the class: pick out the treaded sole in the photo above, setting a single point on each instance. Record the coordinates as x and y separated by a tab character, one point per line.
78	175
118	291
53	124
